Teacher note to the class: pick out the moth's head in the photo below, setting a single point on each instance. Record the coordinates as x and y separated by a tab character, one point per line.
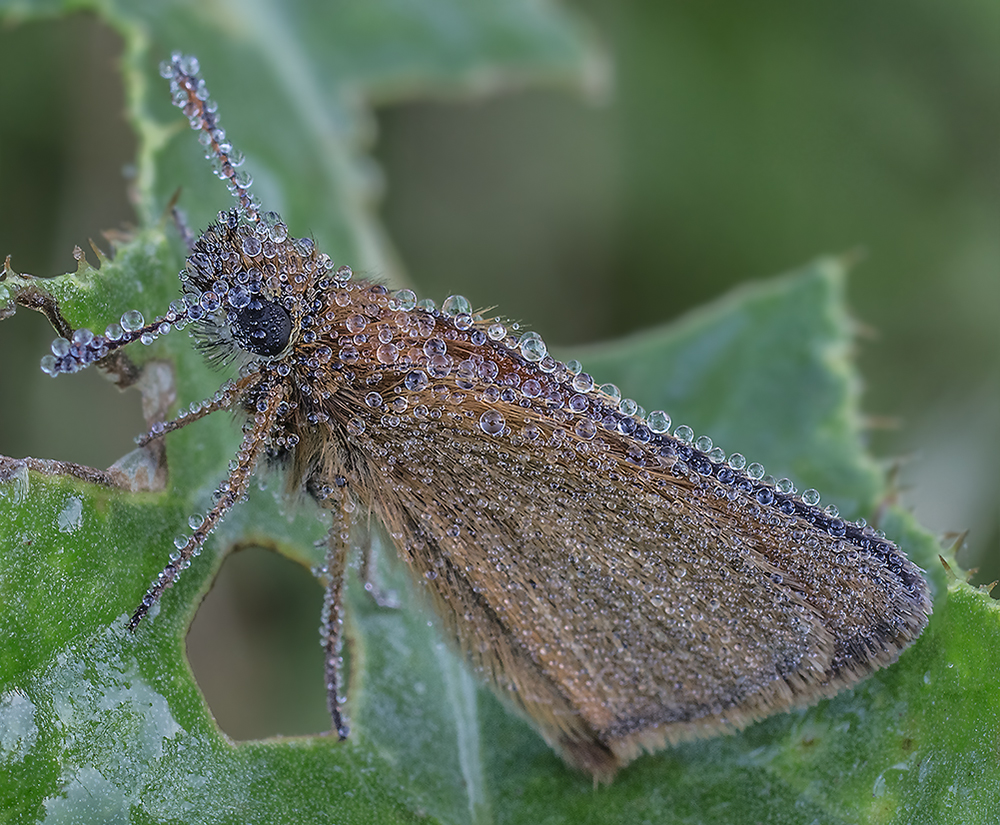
251	287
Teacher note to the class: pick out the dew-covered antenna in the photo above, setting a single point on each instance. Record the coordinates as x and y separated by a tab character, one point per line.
189	94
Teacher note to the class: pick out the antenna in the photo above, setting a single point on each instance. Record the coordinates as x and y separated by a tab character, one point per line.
190	95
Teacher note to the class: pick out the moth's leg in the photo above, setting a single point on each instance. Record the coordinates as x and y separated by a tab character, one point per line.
337	545
228	494
368	575
224	398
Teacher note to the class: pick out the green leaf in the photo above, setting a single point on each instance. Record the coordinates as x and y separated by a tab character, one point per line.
99	725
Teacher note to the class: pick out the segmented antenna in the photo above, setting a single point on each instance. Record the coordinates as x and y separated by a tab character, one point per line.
189	94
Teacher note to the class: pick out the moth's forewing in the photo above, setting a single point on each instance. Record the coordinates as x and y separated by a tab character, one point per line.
622	589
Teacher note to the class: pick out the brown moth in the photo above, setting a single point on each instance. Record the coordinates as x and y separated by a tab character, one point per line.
621	586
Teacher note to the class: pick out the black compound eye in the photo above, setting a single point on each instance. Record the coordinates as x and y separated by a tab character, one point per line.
261	327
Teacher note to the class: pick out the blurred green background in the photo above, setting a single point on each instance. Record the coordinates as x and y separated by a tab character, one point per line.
733	142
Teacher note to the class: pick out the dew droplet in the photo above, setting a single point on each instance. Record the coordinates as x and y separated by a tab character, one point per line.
755	471
387	354
467	371
658	421
82	337
496	332
238	297
611	392
737	461
435	346
811	497
456	305
415	380
60	347
209	301
531	388
439	366
684	434
132	320
532	346
491	422
406	299
704	443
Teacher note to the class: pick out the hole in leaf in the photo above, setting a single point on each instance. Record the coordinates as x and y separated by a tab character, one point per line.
254	648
